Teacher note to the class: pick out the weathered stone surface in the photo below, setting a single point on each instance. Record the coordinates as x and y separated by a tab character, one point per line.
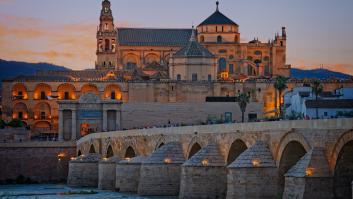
160	173
83	171
204	175
310	174
106	173
38	161
253	174
128	174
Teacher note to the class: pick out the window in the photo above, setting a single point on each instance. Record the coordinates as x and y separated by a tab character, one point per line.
267	70
107	45
222	65
222	29
110	64
106	26
216	28
209	77
42	115
325	114
236	39
20	93
20	115
231	68
257	52
104	64
219	39
194	77
178	77
66	96
266	58
238	69
252	117
249	58
281	43
202	39
112	95
43	96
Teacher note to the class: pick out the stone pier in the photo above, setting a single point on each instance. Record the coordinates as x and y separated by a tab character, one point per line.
204	175
308	176
160	172
253	174
83	171
106	171
128	174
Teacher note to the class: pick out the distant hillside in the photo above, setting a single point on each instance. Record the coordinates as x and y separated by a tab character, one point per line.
317	73
10	69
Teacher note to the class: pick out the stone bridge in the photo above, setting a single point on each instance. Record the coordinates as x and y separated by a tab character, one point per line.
288	159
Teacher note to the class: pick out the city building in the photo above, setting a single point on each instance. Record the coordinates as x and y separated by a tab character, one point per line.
330	104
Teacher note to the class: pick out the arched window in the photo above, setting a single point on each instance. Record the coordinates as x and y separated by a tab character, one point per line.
258	52
107	44
222	65
202	39
219	39
112	95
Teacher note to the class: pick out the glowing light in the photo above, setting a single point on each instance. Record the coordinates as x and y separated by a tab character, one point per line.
61	155
205	162
105	159
72	158
256	162
128	159
167	160
309	171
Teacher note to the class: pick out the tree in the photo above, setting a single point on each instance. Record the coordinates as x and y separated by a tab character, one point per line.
280	85
15	123
2	124
317	89
243	100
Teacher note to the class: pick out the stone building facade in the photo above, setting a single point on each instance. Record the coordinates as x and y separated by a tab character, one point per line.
150	50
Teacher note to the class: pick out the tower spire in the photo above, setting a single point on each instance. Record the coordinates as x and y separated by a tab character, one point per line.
217	5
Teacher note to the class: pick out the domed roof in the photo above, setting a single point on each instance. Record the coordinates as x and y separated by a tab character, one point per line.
193	49
218	18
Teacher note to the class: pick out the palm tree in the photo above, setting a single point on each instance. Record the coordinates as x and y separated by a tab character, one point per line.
317	89
280	85
243	100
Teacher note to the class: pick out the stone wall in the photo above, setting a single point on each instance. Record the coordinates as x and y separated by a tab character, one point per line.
39	161
127	177
159	114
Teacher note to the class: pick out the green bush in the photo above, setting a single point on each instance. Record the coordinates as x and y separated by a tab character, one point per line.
15	123
2	124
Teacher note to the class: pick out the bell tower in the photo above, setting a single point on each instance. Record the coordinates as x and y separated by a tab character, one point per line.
106	39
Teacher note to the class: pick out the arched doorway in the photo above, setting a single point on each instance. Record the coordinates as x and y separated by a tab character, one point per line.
130	152
290	156
194	149
110	152
343	173
92	149
237	148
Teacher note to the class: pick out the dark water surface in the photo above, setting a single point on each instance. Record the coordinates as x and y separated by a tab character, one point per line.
51	191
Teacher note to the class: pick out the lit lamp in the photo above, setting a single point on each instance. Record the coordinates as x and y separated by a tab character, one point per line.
256	162
72	158
128	159
167	160
60	156
205	162
309	171
105	159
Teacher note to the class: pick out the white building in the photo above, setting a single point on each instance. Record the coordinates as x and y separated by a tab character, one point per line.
301	102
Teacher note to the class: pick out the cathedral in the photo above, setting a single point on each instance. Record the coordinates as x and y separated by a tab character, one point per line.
146	77
212	51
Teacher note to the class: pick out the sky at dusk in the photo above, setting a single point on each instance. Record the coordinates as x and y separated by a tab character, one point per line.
63	32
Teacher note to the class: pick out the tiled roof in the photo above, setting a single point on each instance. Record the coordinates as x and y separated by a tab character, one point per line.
210	153
218	18
257	156
314	161
336	103
193	49
153	37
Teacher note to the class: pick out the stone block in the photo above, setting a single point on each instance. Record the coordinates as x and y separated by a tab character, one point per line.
83	172
106	173
128	175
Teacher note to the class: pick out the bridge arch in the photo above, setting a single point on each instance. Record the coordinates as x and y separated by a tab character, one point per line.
130	152
92	149
236	148
196	147
110	152
79	153
342	166
292	152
